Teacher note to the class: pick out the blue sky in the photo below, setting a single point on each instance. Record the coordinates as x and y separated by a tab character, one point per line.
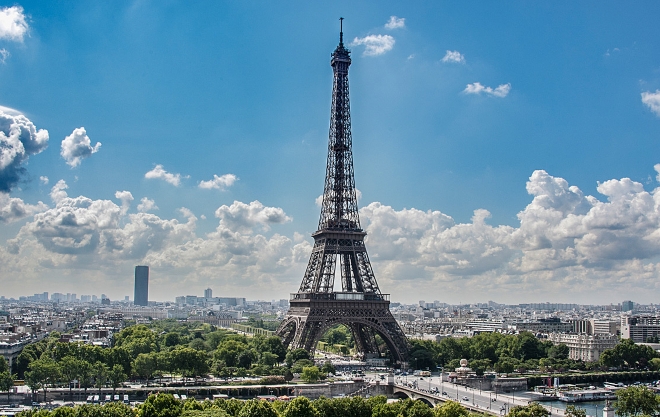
536	113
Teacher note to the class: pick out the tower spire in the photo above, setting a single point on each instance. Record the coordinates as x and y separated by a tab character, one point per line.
341	31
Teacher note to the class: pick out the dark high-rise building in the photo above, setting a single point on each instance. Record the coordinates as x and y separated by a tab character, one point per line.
141	296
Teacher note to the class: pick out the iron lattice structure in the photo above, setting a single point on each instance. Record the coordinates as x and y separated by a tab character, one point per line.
360	305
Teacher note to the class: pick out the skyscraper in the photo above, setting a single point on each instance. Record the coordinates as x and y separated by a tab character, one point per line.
208	293
141	296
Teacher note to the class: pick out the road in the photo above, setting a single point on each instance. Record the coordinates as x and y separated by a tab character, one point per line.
483	399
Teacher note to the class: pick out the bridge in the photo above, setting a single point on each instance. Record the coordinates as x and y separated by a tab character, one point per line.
486	402
432	399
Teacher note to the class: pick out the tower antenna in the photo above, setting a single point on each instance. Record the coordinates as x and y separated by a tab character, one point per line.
341	30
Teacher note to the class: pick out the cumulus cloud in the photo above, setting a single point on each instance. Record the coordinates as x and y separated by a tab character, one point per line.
19	139
565	242
395	23
58	193
652	101
13	24
14	209
43	179
125	197
4	54
159	173
219	183
375	44
240	216
454	57
146	205
103	239
476	88
77	146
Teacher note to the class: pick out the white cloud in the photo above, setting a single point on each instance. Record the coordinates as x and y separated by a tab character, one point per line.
13	25
43	179
501	91
77	146
159	173
652	101
57	193
146	205
102	239
395	23
4	54
10	111
219	183
14	209
375	44
567	245
566	241
126	197
19	139
240	216
454	57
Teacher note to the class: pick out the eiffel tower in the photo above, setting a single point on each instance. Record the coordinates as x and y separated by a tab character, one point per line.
360	305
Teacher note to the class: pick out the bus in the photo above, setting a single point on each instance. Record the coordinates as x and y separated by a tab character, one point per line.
422	373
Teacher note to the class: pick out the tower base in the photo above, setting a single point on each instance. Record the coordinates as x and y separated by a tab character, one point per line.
367	315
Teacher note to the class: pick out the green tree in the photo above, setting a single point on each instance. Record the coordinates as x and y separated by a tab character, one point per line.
6	381
199	344
189	362
295	355
257	408
172	339
160	405
136	339
232	406
328	368
145	365
85	373
654	364
451	409
268	358
506	365
100	374
480	366
229	350
114	409
635	401
297	367
41	373
559	351
70	368
531	410
573	411
300	407
310	374
116	376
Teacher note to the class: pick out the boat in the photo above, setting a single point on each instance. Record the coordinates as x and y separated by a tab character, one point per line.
586	395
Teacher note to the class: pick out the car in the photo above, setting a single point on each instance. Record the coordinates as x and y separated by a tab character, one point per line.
465	398
444	393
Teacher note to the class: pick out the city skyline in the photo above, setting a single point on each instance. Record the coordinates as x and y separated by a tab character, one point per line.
504	152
